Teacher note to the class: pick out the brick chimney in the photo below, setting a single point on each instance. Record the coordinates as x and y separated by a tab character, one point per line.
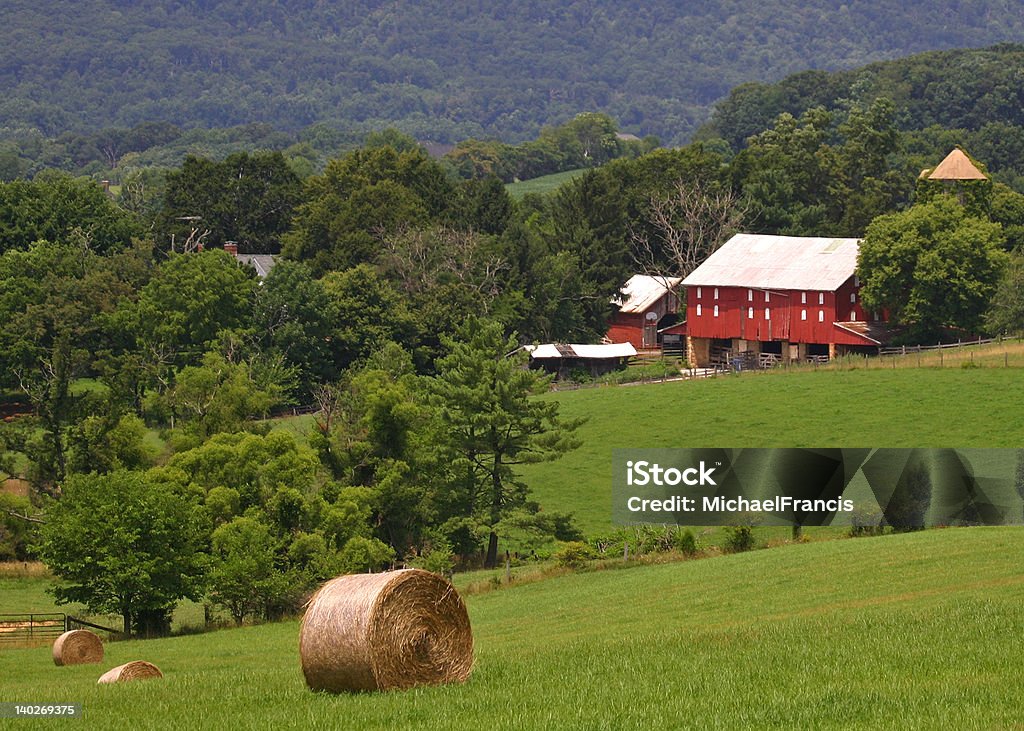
231	247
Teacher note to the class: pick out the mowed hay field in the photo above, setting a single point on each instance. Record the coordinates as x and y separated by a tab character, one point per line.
917	630
904	407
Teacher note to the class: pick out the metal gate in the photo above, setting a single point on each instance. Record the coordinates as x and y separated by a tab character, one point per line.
32	627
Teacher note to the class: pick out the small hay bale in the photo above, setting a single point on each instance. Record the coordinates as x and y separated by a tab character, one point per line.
136	670
388	631
77	647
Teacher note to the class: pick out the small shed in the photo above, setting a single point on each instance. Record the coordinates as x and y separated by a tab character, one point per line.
563	359
646	304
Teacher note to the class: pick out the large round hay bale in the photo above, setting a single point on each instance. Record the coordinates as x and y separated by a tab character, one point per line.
136	670
77	647
386	631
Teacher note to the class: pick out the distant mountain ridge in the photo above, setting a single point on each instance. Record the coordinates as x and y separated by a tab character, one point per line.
443	70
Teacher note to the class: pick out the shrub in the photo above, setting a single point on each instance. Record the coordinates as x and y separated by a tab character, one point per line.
686	543
365	554
437	557
739	538
866	522
573	555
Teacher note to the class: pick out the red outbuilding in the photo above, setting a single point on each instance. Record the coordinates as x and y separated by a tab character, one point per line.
769	299
647	304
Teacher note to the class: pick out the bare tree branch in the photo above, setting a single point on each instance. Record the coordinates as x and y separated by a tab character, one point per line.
28	518
689	224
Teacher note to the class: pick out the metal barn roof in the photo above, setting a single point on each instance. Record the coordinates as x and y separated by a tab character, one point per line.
643	291
560	350
778	262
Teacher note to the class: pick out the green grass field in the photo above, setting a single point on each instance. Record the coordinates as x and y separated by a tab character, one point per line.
906	631
543	184
952	407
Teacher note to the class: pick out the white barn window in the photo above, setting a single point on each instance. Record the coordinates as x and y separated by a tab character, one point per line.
821	315
698	310
821	298
716	310
853	316
767	296
750	295
750	313
803	314
853	297
698	293
767	314
716	292
803	298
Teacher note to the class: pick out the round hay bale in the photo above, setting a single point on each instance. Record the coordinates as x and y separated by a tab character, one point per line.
77	647
394	630
136	670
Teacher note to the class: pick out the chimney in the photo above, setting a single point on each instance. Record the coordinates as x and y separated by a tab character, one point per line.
231	247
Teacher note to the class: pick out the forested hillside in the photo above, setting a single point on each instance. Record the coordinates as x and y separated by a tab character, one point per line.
442	70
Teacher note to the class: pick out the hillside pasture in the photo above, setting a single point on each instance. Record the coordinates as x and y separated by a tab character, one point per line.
543	184
856	407
906	631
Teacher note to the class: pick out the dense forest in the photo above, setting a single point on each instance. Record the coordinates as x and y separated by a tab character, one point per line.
441	71
941	99
974	98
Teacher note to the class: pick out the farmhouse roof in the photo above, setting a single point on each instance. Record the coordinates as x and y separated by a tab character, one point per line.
957	166
642	292
778	262
592	352
262	263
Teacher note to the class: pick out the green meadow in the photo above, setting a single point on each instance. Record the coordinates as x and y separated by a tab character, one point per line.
902	407
543	184
917	630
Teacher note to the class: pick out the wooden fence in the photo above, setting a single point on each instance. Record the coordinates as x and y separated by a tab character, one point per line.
905	349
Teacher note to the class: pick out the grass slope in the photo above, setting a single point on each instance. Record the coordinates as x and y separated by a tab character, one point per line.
955	407
543	184
907	631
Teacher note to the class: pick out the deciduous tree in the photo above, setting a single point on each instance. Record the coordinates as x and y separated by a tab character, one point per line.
932	266
125	544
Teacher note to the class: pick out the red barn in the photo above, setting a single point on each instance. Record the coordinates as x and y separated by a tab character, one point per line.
777	298
646	304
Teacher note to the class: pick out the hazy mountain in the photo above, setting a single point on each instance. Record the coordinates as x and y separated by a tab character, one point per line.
443	70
